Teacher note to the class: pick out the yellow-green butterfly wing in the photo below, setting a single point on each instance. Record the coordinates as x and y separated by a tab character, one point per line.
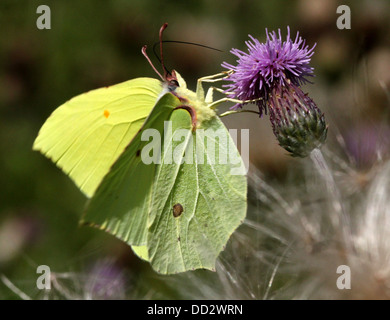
121	204
86	134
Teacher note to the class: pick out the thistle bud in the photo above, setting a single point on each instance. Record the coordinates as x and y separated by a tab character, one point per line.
298	124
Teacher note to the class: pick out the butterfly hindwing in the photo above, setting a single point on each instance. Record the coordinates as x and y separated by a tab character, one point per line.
212	201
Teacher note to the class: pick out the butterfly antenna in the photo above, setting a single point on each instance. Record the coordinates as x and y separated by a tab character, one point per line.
183	42
166	71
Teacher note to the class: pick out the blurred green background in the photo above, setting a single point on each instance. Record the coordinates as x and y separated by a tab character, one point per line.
98	43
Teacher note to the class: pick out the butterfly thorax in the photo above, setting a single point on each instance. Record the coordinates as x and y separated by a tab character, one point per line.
194	100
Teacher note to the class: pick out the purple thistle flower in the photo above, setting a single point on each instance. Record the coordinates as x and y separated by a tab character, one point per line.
266	65
271	73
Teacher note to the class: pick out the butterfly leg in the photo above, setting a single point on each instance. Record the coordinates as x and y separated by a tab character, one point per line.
216	77
213	78
210	93
238	111
214	104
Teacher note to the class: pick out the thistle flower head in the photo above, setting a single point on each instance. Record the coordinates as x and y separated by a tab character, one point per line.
271	74
266	65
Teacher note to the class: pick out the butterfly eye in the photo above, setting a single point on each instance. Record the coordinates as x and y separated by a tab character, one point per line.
177	210
173	84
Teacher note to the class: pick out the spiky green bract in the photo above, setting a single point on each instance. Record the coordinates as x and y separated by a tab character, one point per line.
298	124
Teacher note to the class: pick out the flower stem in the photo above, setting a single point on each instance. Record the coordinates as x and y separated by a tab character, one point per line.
340	219
322	167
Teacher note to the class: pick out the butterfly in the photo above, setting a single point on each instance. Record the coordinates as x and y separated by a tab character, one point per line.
153	158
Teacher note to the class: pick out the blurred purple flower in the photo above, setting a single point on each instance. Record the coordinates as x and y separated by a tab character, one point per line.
367	144
266	65
106	281
17	232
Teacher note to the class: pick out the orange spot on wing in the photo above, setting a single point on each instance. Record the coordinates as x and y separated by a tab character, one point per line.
106	113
